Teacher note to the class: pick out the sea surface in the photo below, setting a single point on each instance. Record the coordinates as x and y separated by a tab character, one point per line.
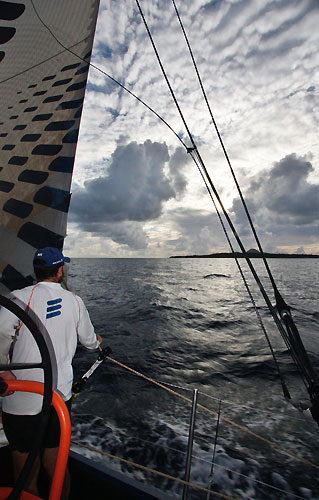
189	324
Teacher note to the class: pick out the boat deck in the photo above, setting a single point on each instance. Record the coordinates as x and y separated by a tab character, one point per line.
90	479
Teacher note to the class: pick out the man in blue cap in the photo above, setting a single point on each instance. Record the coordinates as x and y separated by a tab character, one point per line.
66	320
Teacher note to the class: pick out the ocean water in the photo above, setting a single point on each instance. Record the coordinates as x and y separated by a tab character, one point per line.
189	324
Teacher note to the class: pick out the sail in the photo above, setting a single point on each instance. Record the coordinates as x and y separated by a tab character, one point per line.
45	48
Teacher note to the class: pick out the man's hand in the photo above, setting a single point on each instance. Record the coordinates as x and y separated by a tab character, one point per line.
7	376
99	338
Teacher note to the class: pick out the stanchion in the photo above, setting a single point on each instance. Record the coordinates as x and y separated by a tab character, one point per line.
190	444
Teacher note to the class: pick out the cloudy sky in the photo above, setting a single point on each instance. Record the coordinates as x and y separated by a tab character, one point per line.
136	191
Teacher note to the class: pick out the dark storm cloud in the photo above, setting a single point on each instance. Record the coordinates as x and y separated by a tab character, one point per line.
140	179
282	201
288	193
134	189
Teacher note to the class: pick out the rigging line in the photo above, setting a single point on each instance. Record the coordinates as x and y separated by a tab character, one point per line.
153	471
194	148
231	422
121	85
304	366
165	76
270	306
105	74
224	149
153	111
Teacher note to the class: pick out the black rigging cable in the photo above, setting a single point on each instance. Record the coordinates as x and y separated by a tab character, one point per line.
285	390
291	336
204	169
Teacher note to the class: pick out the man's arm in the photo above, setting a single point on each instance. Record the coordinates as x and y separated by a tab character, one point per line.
86	333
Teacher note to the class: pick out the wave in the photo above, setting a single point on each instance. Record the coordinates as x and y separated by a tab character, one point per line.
216	275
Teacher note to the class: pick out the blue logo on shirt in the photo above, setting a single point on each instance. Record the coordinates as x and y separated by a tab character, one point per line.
54	308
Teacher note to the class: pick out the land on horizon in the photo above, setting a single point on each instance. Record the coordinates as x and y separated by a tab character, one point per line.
251	254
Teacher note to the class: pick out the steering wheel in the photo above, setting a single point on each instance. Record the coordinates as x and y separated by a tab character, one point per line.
46	365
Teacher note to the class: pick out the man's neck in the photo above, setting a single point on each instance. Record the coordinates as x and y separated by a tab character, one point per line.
49	280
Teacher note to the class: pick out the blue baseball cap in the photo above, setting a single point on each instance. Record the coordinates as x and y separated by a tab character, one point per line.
51	257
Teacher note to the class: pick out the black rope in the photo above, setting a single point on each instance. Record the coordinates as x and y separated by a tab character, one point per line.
307	372
210	183
292	338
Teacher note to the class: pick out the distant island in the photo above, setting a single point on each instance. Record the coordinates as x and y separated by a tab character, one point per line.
255	254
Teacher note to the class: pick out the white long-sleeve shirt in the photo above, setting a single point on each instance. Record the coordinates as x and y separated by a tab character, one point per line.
66	319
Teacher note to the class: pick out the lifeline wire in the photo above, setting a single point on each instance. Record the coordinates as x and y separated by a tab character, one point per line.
188	400
231	422
148	469
192	485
